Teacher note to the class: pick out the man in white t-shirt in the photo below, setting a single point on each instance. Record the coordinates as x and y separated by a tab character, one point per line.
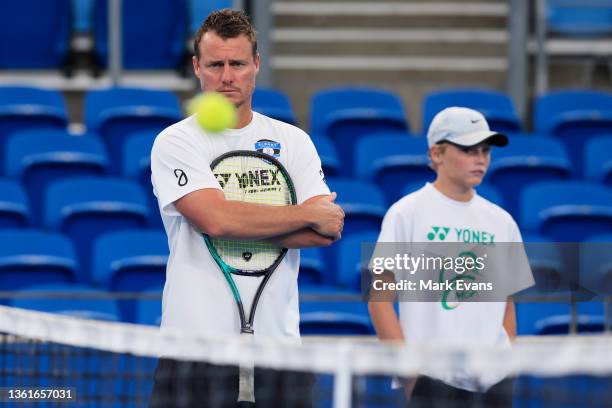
450	211
196	297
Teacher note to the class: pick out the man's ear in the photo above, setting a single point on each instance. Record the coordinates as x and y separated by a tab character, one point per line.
257	62
196	66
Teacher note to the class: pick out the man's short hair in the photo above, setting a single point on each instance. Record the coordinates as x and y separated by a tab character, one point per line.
226	23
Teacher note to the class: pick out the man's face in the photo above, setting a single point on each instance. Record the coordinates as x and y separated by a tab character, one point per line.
227	66
465	166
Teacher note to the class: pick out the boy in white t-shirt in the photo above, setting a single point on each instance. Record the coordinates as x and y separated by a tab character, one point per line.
450	211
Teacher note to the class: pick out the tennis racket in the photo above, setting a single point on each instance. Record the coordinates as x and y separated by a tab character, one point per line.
251	177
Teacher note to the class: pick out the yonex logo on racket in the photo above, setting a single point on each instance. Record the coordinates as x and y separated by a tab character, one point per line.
439	233
251	178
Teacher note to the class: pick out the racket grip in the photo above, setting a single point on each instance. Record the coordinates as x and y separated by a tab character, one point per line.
246	381
246	384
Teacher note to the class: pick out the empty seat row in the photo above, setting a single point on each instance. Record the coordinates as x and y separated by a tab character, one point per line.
317	317
392	162
113	114
338	314
389	160
44	37
76	205
124	260
344	115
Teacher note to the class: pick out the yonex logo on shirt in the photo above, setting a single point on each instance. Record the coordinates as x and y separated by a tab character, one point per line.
466	235
439	233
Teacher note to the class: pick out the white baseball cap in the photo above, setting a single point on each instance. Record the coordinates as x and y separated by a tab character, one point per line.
462	126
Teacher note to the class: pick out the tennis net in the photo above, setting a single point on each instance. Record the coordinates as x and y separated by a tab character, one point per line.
54	360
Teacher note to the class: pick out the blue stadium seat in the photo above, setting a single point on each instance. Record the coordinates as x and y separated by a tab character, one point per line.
491	194
312	267
39	157
596	265
598	160
328	154
365	207
15	209
496	107
200	9
353	257
549	268
574	116
529	314
82	14
169	20
335	317
24	108
273	103
484	190
347	114
114	113
148	311
526	161
553	318
363	203
71	299
35	34
84	208
136	165
130	261
31	256
579	18
392	160
567	211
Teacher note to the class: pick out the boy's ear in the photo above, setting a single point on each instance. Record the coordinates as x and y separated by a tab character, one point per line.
434	154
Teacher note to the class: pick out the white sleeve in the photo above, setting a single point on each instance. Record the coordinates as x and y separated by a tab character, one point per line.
393	238
178	168
306	171
395	227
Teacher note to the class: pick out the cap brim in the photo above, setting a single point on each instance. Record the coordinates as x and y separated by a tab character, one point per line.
472	139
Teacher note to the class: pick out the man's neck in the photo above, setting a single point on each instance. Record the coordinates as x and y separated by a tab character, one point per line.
245	115
454	191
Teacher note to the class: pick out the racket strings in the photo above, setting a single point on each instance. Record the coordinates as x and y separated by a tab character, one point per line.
254	180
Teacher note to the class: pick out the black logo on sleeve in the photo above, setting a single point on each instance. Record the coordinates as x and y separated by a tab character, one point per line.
181	176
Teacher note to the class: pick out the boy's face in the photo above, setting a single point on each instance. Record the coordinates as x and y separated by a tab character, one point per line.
462	166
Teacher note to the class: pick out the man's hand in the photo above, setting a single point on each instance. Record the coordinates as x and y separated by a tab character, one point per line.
328	217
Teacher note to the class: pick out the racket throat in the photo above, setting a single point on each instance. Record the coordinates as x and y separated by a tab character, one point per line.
247	329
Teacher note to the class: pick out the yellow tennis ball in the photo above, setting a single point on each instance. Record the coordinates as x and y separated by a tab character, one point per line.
213	111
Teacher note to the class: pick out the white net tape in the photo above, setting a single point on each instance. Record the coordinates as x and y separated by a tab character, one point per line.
546	356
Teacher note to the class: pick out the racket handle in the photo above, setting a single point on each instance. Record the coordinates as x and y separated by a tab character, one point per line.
246	381
246	384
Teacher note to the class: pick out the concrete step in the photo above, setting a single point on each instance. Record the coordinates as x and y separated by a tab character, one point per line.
409	42
388	64
335	14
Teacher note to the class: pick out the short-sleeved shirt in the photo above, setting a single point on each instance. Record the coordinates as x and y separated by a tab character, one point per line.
196	295
429	216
